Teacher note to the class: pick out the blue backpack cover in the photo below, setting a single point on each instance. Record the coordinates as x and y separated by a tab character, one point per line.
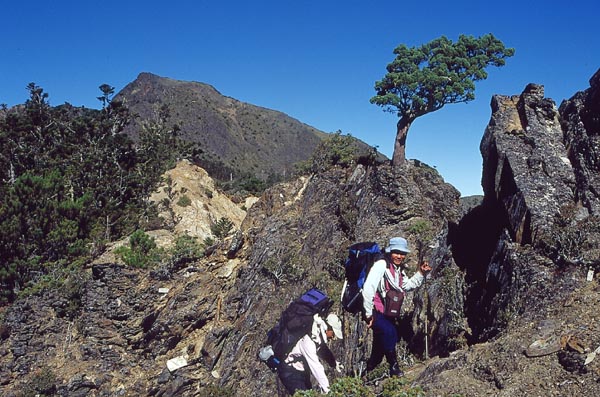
361	257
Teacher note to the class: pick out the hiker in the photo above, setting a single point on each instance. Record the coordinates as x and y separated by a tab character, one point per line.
293	371
387	278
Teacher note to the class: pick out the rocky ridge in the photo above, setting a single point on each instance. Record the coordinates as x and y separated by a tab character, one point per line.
510	309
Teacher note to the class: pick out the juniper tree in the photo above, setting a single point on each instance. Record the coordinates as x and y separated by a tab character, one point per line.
423	79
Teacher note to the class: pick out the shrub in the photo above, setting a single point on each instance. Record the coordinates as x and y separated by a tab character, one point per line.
186	249
350	387
337	149
142	251
221	228
184	201
400	387
288	269
208	242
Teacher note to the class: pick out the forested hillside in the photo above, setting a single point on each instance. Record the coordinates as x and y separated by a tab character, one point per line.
71	181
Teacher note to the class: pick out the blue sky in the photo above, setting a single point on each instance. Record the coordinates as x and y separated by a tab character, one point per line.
316	61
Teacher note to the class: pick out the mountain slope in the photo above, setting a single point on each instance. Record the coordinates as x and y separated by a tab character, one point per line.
234	134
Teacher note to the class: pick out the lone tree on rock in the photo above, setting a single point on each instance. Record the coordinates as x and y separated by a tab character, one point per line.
423	79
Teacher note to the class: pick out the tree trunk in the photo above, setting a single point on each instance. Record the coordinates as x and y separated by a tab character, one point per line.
399	156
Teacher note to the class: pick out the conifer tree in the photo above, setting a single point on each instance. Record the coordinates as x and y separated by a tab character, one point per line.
423	79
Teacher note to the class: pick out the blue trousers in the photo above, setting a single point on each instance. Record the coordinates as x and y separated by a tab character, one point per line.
385	338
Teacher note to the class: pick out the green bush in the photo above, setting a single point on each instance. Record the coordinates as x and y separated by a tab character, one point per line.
208	242
186	249
184	201
288	269
335	150
350	387
142	251
306	393
400	387
221	228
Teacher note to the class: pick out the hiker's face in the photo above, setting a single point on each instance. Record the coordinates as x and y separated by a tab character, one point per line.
329	334
397	257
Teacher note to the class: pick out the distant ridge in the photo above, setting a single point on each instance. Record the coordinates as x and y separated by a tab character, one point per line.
234	135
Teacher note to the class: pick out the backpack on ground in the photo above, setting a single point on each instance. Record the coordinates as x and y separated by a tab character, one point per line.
295	322
361	257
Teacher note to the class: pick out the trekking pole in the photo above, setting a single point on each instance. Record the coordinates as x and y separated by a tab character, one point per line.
426	326
421	257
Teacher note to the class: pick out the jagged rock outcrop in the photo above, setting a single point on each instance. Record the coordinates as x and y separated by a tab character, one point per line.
581	124
526	167
525	253
112	329
190	201
301	240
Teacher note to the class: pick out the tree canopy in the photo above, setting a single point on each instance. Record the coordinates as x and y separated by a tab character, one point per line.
423	79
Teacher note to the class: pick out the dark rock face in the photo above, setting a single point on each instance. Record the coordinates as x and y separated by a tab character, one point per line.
526	167
121	336
581	125
527	181
299	234
526	248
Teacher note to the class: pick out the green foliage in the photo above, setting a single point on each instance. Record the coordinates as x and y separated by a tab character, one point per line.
208	242
221	228
380	372
142	251
159	143
287	269
335	150
350	387
400	387
423	79
184	201
422	230
306	393
69	280
70	182
39	222
247	184
186	249
252	185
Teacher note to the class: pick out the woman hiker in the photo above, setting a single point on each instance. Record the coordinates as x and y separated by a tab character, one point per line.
382	297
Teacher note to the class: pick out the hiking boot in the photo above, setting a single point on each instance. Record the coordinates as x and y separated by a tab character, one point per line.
394	367
395	370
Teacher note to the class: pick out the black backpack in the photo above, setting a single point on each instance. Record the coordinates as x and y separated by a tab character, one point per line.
361	257
295	322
